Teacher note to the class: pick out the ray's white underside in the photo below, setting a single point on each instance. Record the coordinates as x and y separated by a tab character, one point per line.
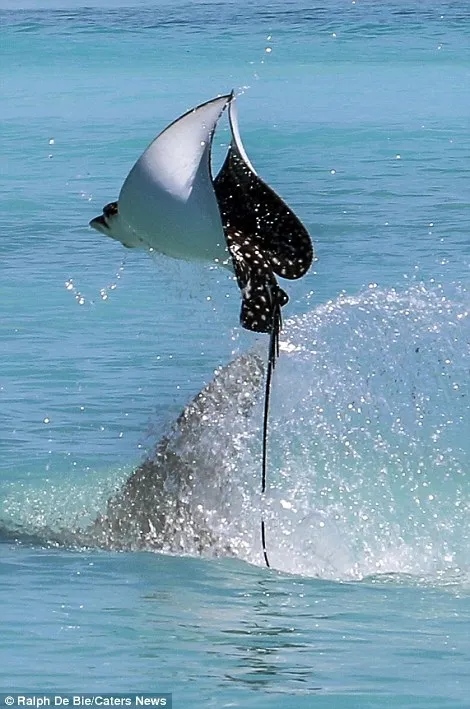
168	203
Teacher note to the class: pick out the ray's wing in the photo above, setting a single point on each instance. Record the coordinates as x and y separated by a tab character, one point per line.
168	199
264	236
250	206
174	158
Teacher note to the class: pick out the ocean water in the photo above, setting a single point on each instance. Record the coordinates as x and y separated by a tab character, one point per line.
357	113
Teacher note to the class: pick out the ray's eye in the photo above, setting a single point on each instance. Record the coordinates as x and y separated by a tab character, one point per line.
109	210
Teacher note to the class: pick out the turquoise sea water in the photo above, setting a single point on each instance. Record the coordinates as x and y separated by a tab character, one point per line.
358	116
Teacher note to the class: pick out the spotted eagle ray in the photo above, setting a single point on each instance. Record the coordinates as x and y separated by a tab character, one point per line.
171	203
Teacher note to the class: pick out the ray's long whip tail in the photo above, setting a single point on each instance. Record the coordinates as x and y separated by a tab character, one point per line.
273	354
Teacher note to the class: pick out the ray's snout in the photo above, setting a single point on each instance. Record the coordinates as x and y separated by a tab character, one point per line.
99	223
109	224
102	222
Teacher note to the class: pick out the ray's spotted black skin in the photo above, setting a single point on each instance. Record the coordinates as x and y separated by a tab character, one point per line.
264	238
256	280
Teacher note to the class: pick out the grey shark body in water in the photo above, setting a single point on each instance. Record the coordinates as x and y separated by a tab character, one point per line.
174	501
163	504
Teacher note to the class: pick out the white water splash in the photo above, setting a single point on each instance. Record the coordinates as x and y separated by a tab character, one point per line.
368	447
